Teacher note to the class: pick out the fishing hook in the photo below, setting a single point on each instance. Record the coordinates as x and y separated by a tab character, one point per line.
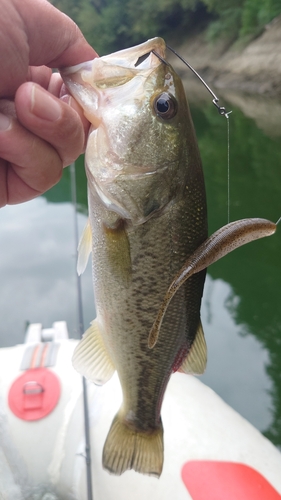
160	57
221	109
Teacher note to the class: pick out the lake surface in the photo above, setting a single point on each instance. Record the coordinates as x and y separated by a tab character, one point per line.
241	311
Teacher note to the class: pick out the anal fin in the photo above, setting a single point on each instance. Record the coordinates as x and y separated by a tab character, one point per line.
91	358
196	359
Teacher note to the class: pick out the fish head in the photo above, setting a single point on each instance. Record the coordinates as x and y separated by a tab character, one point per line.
139	131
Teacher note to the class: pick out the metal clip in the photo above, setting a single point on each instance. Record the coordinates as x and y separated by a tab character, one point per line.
221	109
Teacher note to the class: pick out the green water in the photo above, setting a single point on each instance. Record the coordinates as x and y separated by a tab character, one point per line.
241	310
254	271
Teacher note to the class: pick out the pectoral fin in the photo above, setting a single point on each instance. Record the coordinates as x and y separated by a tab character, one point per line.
91	358
196	360
84	248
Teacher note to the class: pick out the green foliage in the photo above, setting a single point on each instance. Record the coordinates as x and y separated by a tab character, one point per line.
109	25
88	19
220	6
227	25
249	17
255	161
240	18
256	14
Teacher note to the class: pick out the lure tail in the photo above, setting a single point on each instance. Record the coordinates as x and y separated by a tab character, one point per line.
225	240
126	448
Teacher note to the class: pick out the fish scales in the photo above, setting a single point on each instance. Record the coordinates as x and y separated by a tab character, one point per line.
131	309
148	233
147	212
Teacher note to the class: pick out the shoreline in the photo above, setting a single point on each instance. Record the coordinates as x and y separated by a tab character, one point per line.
254	68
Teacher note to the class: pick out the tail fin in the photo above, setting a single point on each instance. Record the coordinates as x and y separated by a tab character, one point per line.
126	448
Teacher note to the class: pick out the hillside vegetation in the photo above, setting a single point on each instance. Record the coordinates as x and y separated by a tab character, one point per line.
110	25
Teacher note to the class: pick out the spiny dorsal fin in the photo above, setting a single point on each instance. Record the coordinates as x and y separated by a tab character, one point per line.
90	357
84	248
196	360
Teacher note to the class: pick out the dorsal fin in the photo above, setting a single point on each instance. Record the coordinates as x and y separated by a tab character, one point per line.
196	360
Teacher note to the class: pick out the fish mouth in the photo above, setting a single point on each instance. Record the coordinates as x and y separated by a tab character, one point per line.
136	58
87	80
115	92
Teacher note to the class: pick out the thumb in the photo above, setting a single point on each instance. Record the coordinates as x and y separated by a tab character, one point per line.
54	39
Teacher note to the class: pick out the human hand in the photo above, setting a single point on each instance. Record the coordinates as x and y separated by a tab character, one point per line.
42	129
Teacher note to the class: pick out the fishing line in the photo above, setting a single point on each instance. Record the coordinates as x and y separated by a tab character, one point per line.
221	109
81	331
228	167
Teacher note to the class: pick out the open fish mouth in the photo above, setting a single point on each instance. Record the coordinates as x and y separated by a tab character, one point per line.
136	58
110	72
117	93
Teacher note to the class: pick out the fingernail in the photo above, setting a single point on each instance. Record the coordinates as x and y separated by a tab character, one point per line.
67	99
5	122
44	105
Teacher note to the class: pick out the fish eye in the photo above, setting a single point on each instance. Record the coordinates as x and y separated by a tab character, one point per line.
165	106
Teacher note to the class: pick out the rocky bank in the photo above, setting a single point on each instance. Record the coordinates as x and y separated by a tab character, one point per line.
255	68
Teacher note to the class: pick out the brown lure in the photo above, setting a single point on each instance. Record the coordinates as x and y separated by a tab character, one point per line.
223	241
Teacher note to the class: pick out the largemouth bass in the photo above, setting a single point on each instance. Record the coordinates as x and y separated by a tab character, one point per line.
147	217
